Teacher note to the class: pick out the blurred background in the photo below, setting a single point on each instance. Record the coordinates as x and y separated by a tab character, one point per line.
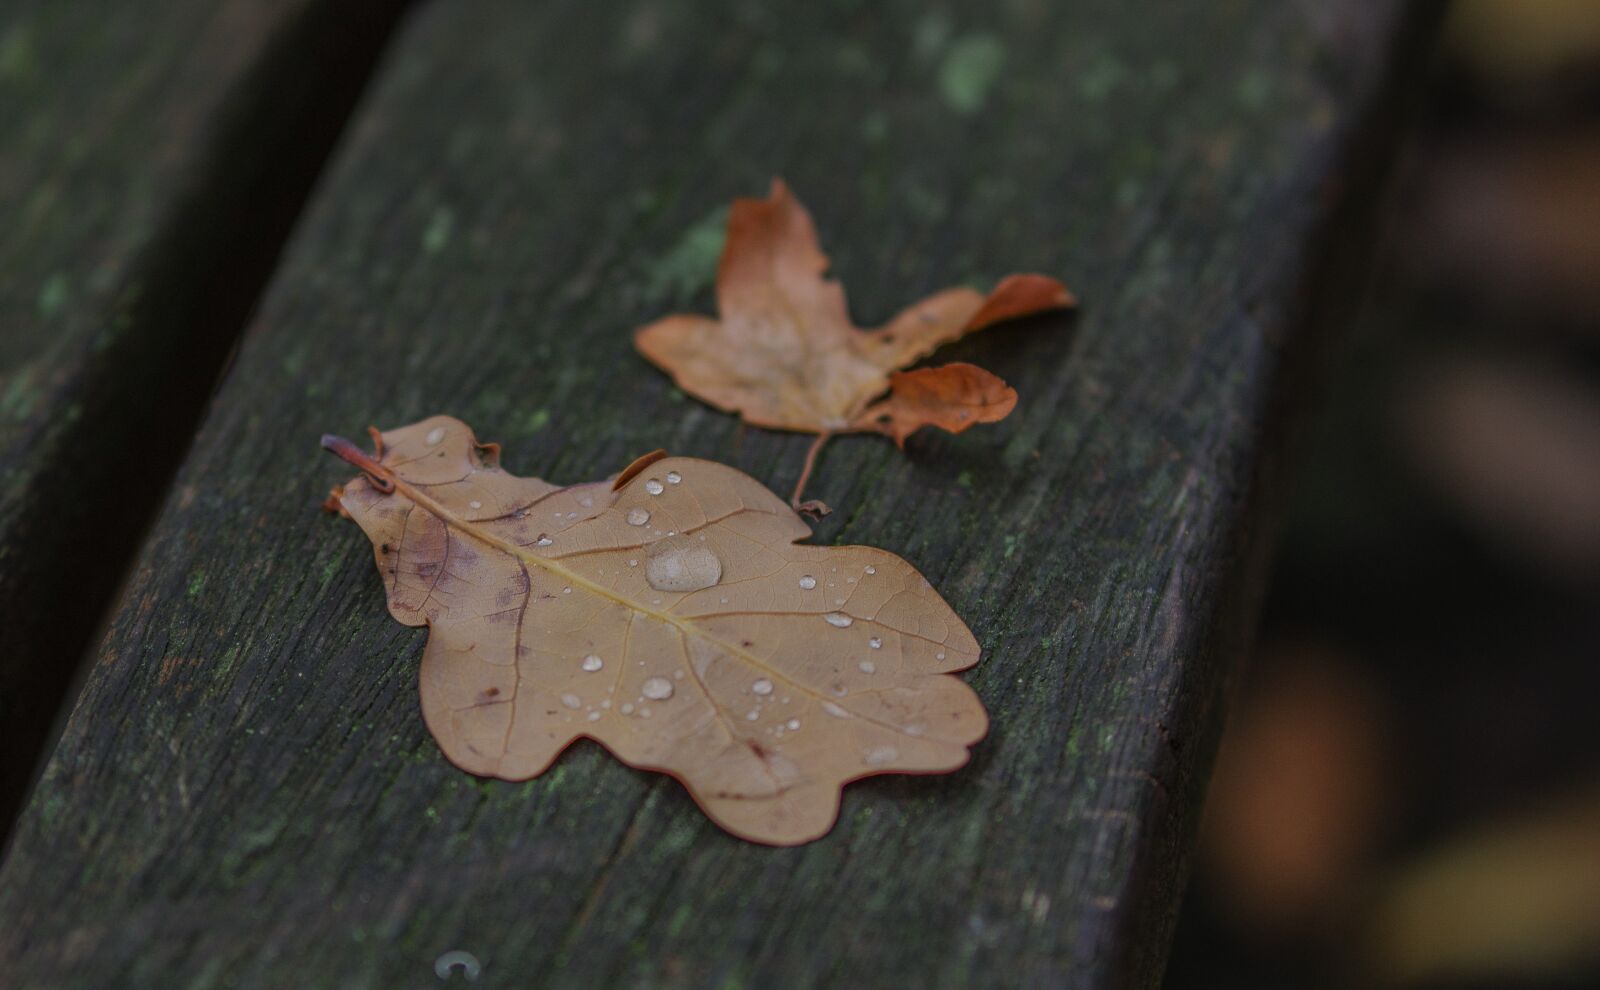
1408	792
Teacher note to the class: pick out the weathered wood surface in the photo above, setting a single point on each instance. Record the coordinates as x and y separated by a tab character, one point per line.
147	178
245	794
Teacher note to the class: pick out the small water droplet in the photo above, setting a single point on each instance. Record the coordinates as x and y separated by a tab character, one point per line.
914	730
751	715
653	487
626	708
638	517
677	675
878	756
673	477
644	713
633	563
572	515
606	702
674	565
435	435
871	569
593	716
474	504
875	643
587	501
544	541
838	619
656	688
762	686
793	724
566	591
834	710
868	667
571	701
939	655
444	967
808	582
592	663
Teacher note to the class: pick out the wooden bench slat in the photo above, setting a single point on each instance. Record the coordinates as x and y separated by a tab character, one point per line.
245	793
152	159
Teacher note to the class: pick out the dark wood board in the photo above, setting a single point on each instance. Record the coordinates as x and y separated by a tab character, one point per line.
152	159
245	794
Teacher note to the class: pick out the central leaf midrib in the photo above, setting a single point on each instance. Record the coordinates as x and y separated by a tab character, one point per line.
684	625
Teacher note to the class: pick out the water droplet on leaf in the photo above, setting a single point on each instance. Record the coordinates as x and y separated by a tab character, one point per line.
673	565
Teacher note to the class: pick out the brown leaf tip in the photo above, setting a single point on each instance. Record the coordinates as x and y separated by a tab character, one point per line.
636	468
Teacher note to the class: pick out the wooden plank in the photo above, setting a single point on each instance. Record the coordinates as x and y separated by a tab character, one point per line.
152	158
245	793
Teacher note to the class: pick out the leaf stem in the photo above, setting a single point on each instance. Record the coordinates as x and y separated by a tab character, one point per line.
805	472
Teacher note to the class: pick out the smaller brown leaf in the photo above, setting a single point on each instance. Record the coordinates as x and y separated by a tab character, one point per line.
952	397
785	355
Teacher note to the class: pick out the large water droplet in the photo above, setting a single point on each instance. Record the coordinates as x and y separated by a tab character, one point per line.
834	710
543	541
656	688
762	686
638	517
673	477
808	582
838	619
871	569
875	643
678	565
592	663
879	756
653	487
571	701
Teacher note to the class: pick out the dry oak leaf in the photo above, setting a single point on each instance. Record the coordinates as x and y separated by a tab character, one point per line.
672	616
784	354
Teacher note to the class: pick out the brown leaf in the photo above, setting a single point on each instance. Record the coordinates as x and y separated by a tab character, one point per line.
670	615
952	397
784	354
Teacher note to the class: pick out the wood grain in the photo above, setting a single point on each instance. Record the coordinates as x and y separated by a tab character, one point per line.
246	795
152	160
